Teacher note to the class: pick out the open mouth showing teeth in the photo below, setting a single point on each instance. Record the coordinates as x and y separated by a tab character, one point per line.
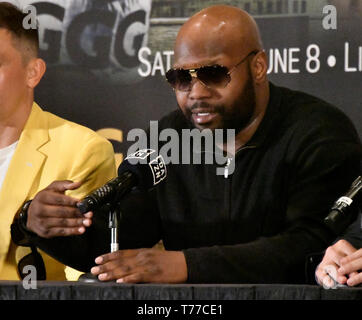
203	117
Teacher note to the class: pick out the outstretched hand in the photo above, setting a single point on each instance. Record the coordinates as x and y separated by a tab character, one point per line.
53	214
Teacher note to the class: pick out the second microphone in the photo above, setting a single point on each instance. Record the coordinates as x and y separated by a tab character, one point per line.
143	169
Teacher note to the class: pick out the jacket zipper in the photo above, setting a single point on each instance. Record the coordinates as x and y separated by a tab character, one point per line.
228	190
226	168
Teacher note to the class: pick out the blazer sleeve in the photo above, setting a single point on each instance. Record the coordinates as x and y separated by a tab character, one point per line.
94	165
139	227
139	224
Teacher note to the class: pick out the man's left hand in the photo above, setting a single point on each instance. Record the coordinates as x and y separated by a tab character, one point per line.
142	265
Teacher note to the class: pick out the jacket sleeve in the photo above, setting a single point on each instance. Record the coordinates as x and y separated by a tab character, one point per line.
139	224
353	233
94	165
324	164
139	227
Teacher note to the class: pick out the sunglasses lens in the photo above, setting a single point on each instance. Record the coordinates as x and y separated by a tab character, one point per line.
179	79
33	259
210	76
214	76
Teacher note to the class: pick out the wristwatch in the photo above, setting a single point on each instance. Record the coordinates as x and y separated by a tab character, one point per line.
23	215
20	234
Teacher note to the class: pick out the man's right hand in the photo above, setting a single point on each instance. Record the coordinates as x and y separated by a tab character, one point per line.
327	271
53	214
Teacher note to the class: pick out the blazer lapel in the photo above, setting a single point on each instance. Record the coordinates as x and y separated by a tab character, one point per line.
22	174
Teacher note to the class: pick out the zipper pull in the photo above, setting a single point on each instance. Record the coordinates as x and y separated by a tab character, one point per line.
226	168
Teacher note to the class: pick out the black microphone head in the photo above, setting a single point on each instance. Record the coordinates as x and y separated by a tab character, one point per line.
344	210
86	205
147	166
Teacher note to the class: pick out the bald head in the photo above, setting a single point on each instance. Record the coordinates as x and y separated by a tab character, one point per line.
217	30
229	37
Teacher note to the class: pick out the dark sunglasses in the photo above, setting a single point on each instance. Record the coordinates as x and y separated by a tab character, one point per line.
32	259
214	77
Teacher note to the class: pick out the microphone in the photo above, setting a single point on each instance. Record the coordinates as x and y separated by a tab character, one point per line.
336	219
142	169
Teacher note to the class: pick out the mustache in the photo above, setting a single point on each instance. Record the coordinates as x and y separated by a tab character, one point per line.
205	106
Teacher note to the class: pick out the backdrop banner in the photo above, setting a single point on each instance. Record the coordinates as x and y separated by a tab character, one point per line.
107	59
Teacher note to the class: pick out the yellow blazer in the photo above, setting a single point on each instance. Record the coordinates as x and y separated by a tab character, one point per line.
50	148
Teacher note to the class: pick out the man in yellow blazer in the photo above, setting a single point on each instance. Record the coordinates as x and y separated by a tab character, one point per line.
40	153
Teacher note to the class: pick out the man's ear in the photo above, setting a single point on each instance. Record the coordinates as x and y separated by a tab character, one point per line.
35	71
260	67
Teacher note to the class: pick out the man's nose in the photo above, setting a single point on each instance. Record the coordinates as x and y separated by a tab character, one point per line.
199	90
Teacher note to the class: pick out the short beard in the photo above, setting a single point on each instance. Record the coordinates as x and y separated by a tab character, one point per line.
239	115
243	109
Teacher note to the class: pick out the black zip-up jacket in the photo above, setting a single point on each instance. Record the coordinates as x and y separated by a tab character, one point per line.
258	224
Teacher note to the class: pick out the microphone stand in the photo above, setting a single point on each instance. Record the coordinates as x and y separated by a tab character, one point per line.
113	226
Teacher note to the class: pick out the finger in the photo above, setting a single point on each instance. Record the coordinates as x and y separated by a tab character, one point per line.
351	266
323	271
320	275
355	280
334	256
342	279
87	222
344	248
109	257
132	278
353	256
63	185
120	267
66	223
88	215
62	232
328	282
103	268
74	185
106	276
116	255
352	274
113	274
58	199
51	211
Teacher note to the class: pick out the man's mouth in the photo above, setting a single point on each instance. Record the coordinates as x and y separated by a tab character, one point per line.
203	117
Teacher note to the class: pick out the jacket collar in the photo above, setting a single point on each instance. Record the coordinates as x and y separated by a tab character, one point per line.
36	128
24	167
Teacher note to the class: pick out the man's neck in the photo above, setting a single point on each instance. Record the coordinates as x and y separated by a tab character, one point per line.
261	102
12	126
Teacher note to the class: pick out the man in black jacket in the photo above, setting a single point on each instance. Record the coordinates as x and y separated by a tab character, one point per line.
295	154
